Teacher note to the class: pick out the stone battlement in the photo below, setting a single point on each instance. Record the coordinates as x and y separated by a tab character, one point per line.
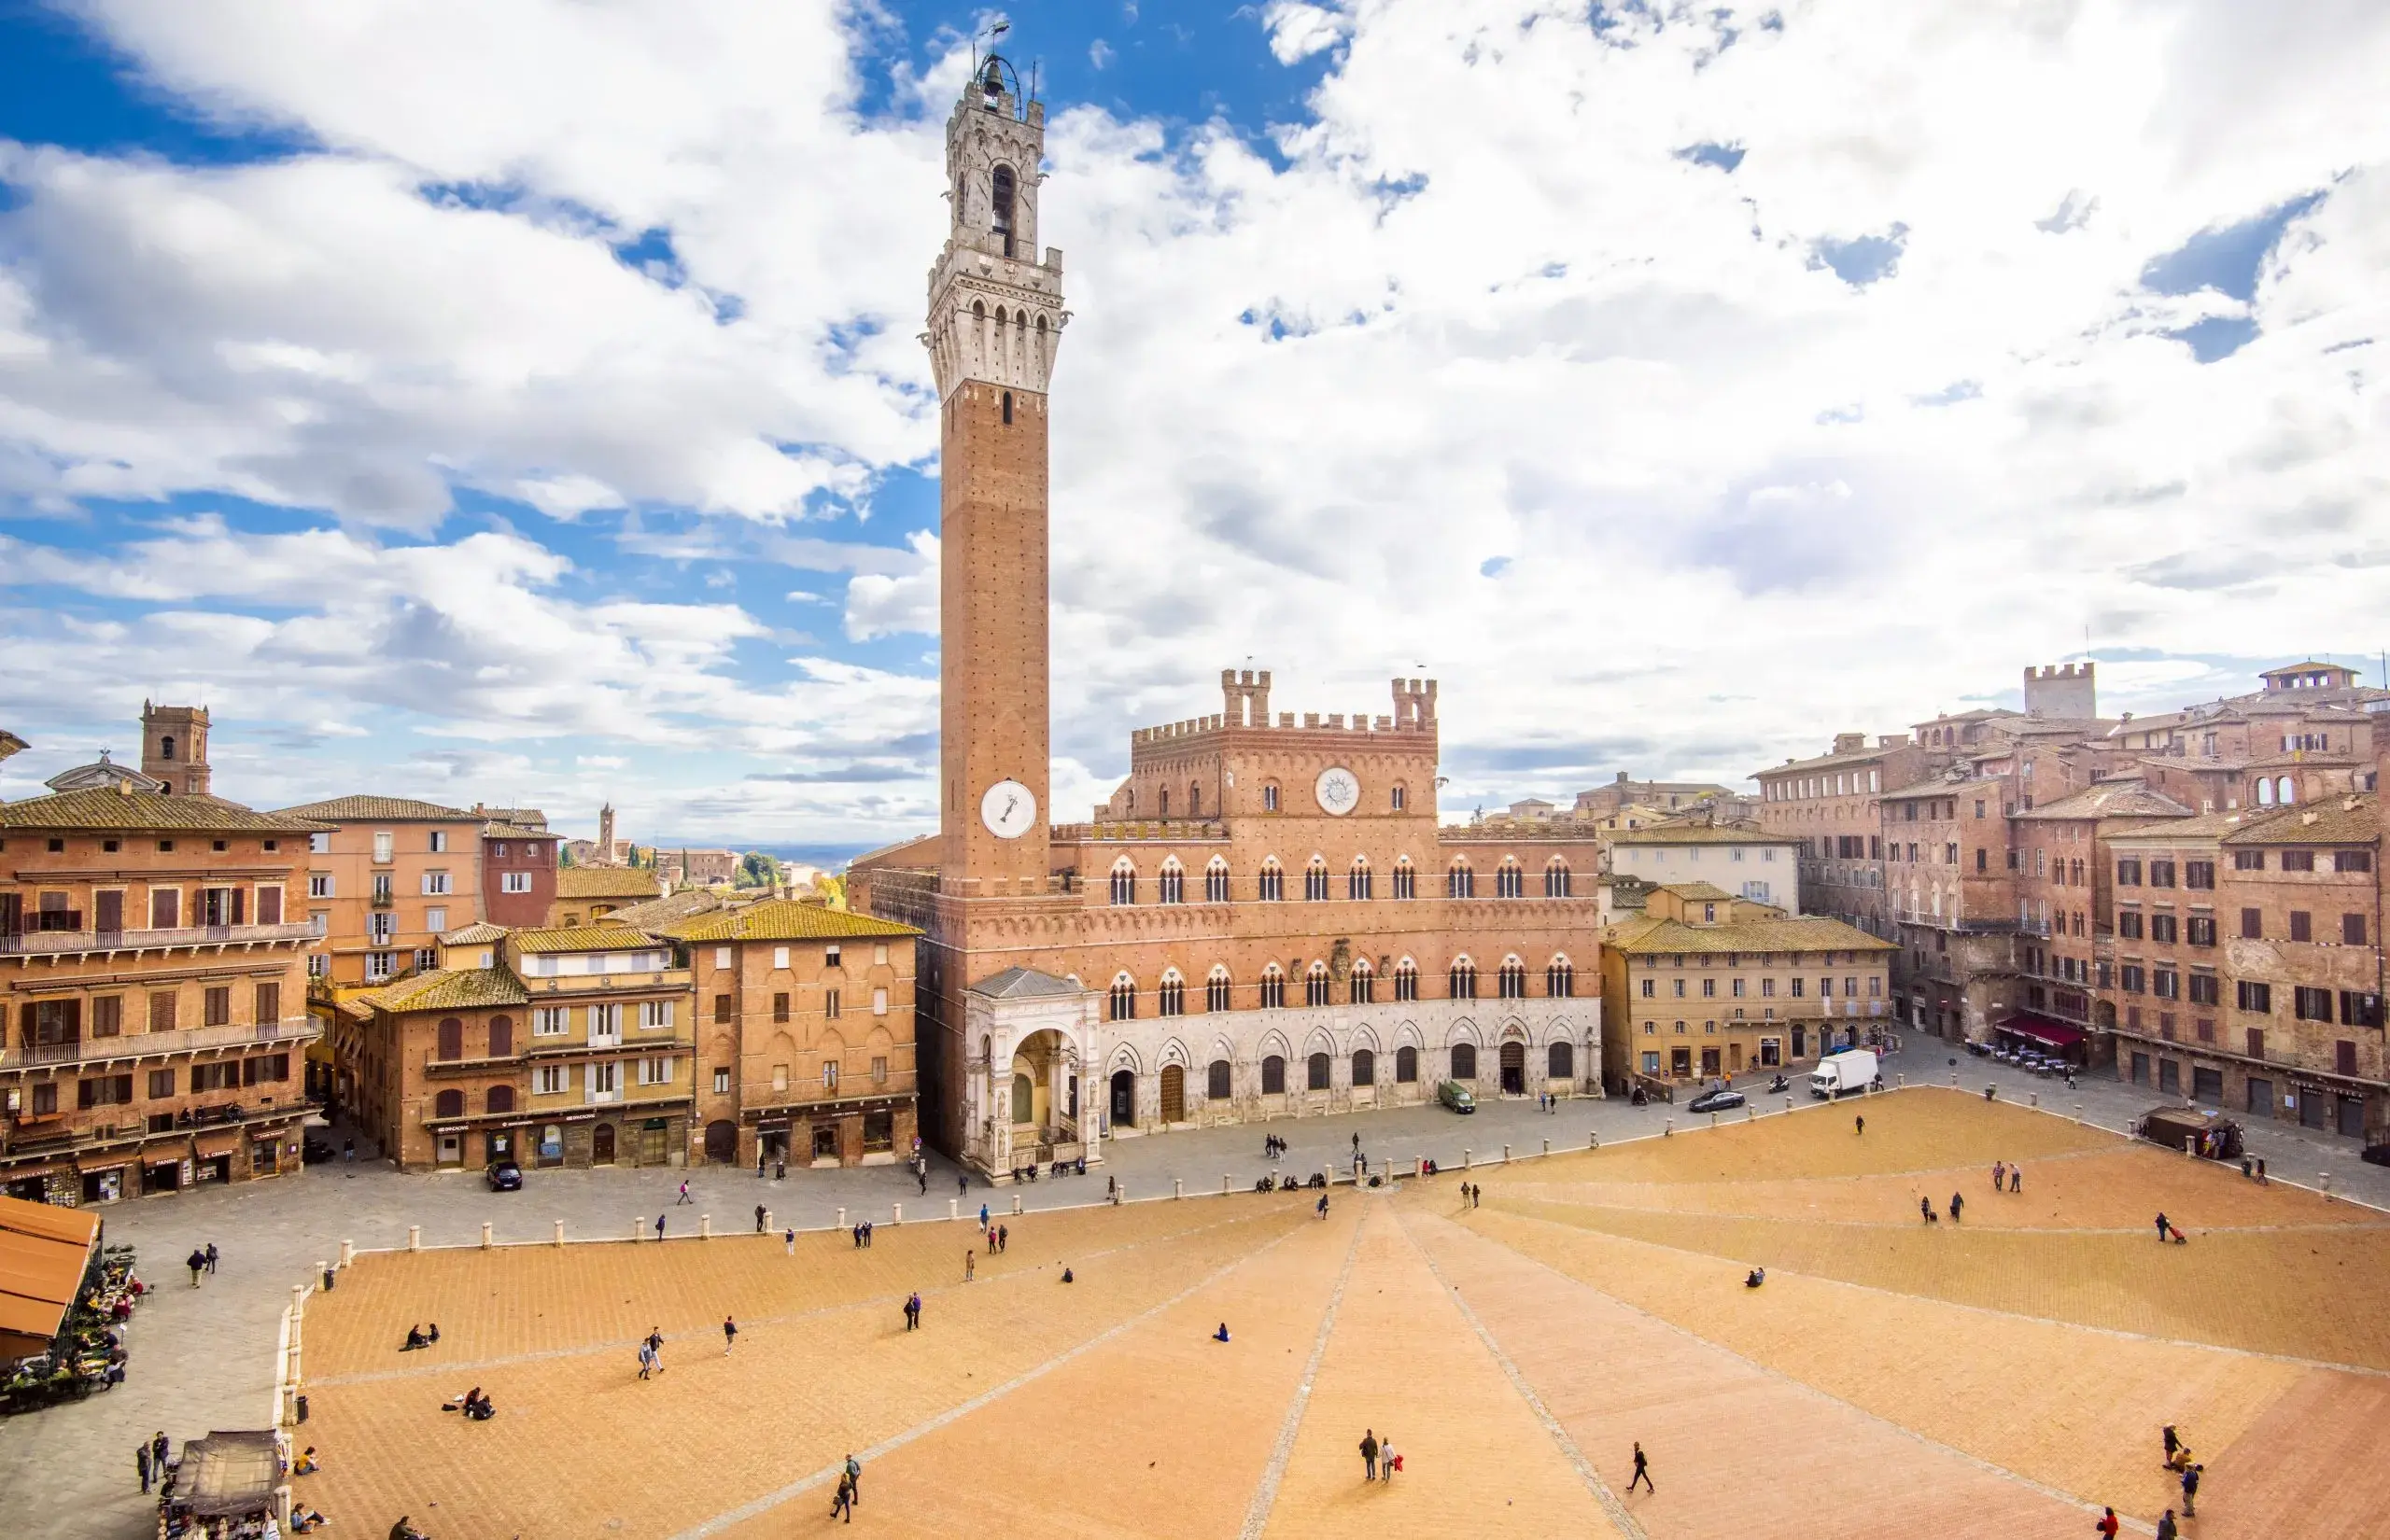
1246	696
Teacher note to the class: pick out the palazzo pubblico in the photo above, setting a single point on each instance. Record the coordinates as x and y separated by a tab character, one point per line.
1265	919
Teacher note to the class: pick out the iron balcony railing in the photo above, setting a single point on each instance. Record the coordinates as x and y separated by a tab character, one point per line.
49	942
293	1030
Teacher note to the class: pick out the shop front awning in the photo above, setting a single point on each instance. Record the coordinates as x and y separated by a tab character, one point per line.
2041	1030
43	1251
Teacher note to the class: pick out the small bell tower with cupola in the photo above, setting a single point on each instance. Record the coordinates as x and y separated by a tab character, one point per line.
995	321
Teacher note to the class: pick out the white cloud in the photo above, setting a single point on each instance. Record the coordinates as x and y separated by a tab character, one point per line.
1484	301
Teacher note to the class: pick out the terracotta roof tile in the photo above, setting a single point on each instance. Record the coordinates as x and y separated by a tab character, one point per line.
592	882
784	920
1650	935
457	990
582	938
2329	822
371	810
104	808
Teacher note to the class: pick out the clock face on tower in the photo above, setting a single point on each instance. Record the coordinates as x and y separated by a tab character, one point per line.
1339	790
1009	809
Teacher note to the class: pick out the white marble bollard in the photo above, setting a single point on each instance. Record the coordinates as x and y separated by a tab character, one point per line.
414	1238
842	1219
1464	1159
347	1252
1547	1146
954	1208
705	1226
485	1235
1177	1188
1506	1154
900	1215
638	1228
559	1232
1015	1202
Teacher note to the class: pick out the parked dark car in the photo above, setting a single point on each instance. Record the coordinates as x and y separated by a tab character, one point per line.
2377	1154
1719	1100
314	1149
504	1177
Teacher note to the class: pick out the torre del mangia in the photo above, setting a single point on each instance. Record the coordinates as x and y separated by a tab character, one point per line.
1264	920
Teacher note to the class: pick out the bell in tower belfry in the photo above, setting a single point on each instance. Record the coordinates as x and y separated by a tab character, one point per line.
995	321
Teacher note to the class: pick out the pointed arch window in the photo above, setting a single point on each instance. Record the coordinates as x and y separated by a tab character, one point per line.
1194	789
1316	985
1509	881
1357	879
1216	989
1364	981
1124	881
1406	980
1274	988
1406	880
1171	998
1406	1065
1124	998
1270	797
1460	882
1559	978
1272	884
1316	879
1172	885
1216	881
1511	979
1005	190
1555	878
1462	979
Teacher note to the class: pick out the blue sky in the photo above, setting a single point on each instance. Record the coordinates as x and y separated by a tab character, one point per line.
528	408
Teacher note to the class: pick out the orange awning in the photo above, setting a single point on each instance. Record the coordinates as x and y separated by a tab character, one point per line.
44	1250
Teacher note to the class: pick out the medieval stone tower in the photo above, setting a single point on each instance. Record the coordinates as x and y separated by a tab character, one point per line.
995	319
173	748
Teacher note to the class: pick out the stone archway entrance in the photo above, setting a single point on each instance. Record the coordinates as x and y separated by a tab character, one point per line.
722	1141
1514	1068
1174	1093
601	1145
1124	1098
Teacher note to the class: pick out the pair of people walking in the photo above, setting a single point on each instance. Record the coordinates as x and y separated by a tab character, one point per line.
913	1312
201	1260
850	1490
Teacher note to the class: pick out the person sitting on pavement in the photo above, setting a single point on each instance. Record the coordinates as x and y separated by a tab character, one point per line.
1222	1334
414	1339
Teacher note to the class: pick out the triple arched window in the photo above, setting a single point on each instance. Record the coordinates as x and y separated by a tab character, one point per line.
1463	979
1406	980
1216	989
1171	887
1171	998
1364	981
1316	985
1272	884
1357	879
1509	881
1216	881
1124	998
1460	882
1274	988
1511	979
1316	879
1555	878
1406	881
1559	978
1124	882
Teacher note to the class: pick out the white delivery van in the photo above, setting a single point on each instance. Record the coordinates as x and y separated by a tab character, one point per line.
1852	1069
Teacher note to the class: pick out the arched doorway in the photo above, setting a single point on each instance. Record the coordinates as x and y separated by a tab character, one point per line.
1464	1061
722	1141
601	1145
1514	1068
1124	1098
1174	1093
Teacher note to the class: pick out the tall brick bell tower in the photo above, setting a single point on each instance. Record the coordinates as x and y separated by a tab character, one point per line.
995	320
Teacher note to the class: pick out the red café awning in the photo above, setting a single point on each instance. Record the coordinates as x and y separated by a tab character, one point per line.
2053	1034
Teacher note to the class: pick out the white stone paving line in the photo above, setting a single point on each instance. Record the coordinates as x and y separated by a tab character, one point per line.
1622	1520
886	1446
1265	1496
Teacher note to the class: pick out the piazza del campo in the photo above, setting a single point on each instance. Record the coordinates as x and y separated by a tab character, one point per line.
1274	1150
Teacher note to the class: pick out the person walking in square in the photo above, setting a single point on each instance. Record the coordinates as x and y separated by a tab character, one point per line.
1999	1175
646	1360
656	1348
1004	1237
1859	1123
854	1478
1385	1459
2107	1526
2173	1442
1642	1473
845	1501
1957	1202
197	1263
1368	1454
970	1264
2168	1528
2161	1227
2191	1491
759	1219
348	1157
729	1335
2015	1179
684	1194
211	1259
141	1463
983	1216
913	1313
158	1447
1925	1210
659	1226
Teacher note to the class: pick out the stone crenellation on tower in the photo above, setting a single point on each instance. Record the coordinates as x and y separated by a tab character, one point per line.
2062	691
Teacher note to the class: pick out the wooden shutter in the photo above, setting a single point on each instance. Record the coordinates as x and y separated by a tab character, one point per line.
501	1039
268	906
269	1003
109	916
162	1010
452	1038
165	908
